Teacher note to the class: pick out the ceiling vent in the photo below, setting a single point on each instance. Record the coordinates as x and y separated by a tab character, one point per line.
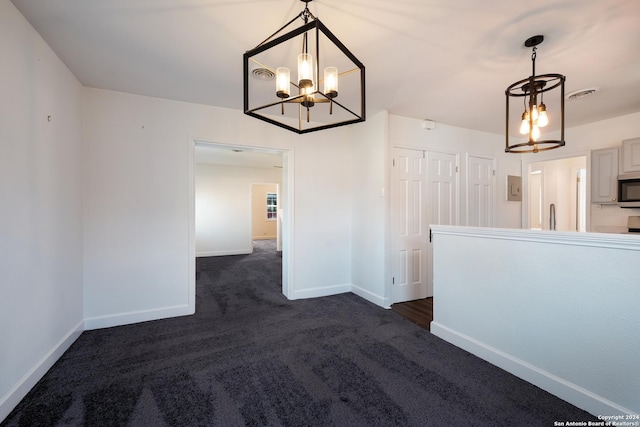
261	73
579	94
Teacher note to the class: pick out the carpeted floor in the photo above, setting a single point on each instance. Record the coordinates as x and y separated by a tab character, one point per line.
251	357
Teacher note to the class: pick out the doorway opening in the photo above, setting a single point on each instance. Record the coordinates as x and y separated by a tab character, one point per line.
556	195
222	178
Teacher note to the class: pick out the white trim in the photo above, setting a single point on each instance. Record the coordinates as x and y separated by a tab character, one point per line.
10	400
388	219
223	253
191	230
576	395
371	297
288	222
321	292
600	240
119	319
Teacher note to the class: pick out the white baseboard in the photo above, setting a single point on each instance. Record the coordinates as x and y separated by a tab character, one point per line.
566	390
224	253
341	289
26	383
321	292
370	296
119	319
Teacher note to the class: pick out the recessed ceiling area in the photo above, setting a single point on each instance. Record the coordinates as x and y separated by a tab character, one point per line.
447	61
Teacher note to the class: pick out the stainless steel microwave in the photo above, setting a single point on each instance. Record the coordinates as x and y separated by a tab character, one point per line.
629	190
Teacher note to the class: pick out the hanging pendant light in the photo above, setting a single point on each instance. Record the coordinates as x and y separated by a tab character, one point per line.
310	102
535	117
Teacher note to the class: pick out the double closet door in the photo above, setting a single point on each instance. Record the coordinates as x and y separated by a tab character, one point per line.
425	191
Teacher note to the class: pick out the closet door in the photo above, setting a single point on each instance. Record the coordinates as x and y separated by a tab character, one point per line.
442	198
409	225
480	191
424	191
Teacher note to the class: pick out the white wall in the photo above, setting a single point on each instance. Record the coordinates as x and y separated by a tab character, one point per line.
369	209
40	209
223	207
322	215
558	309
138	167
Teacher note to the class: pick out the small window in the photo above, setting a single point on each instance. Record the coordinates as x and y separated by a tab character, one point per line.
272	206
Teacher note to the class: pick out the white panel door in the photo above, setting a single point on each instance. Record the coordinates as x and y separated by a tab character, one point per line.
443	188
442	198
480	191
410	231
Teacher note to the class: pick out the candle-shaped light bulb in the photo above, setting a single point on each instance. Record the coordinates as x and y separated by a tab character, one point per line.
283	79
305	70
331	82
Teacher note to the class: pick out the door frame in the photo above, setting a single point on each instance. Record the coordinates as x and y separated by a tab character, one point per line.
286	193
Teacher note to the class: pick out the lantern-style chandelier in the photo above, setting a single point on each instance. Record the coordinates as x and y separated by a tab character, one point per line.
534	117
312	101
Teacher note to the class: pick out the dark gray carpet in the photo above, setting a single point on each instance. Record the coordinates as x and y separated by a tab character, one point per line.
250	357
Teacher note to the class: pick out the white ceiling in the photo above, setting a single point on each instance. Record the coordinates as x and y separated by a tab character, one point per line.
448	61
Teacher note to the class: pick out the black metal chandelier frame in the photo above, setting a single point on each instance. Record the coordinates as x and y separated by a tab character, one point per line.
534	87
304	101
